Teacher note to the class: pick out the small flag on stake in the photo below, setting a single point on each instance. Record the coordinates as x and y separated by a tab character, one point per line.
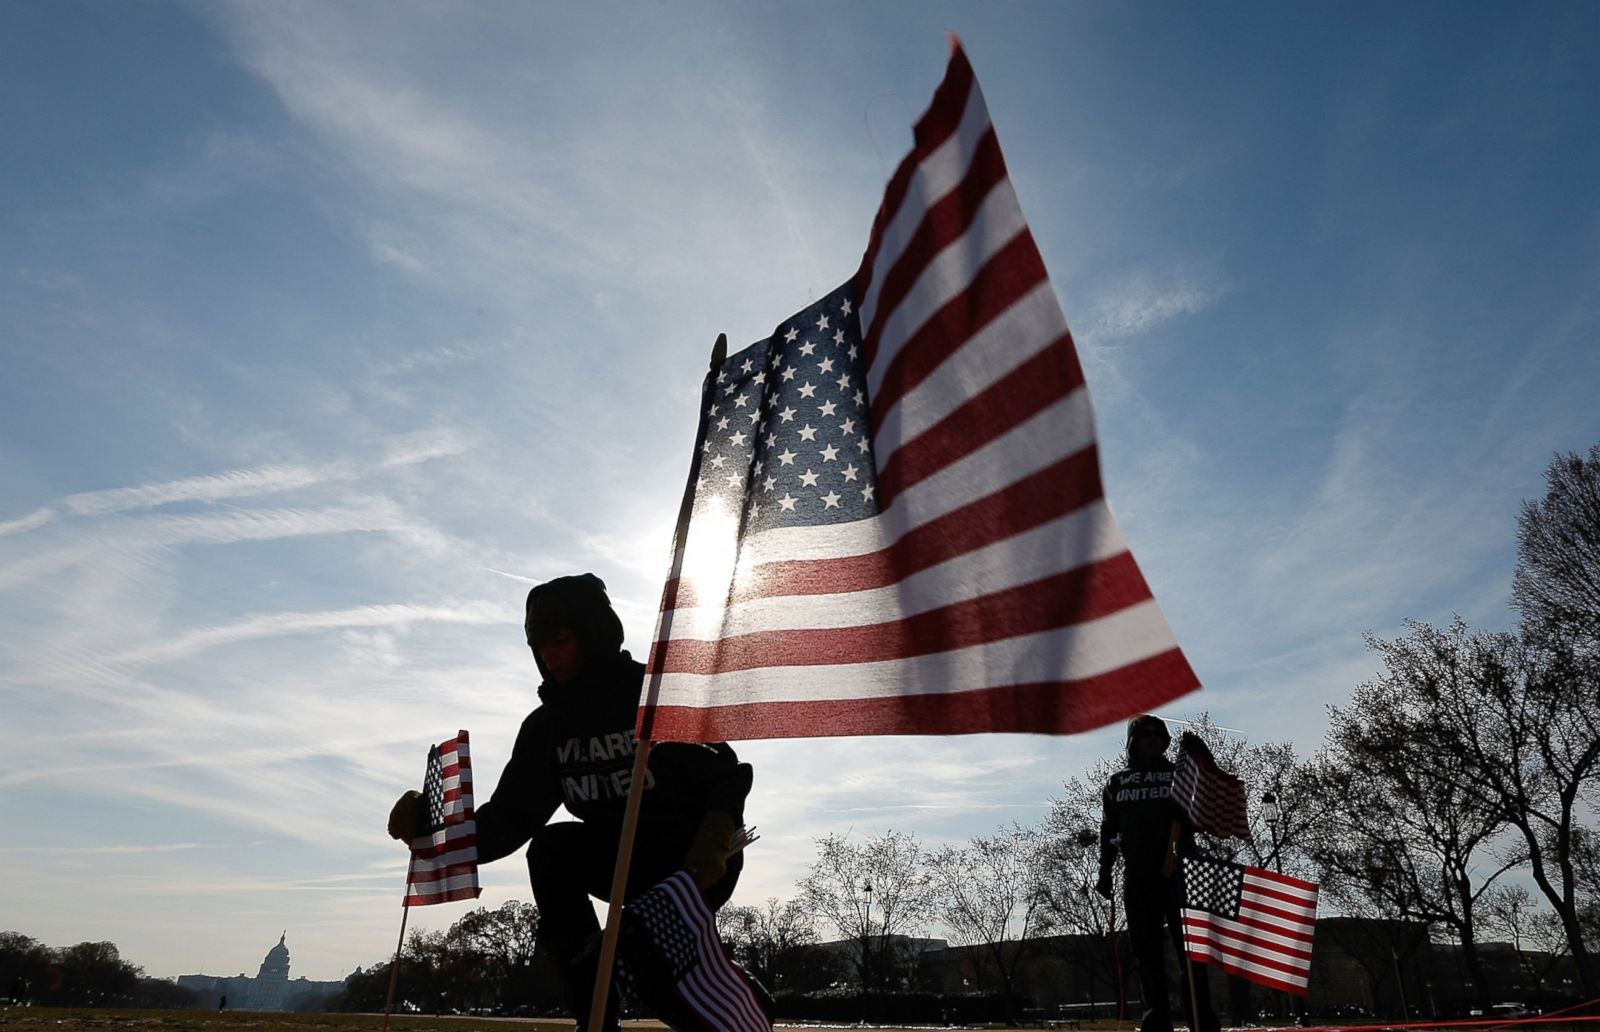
444	859
1212	798
673	961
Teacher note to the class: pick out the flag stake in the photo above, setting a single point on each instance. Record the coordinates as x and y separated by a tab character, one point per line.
394	969
619	884
630	816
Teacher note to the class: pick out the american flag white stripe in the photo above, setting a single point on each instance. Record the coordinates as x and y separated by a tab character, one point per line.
1255	923
1068	428
997	223
444	862
985	359
978	581
1084	651
1033	553
934	177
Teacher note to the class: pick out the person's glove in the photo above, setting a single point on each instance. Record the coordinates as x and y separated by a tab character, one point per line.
1103	886
707	858
409	817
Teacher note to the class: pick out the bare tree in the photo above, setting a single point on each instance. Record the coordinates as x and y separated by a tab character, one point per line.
1069	861
1519	718
769	938
1399	796
498	946
1557	586
1511	910
878	888
990	896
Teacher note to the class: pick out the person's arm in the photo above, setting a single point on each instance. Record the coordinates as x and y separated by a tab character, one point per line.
712	777
523	800
1109	831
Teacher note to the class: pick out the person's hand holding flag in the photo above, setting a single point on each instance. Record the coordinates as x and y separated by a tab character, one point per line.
409	817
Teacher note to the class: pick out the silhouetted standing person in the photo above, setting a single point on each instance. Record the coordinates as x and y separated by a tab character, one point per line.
1142	823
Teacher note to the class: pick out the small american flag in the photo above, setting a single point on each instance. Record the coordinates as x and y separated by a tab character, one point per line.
444	861
672	961
1250	922
1212	798
896	523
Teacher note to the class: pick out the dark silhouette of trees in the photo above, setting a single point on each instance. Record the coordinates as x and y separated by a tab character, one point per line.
1070	864
990	895
1403	811
93	974
1518	719
769	939
27	968
498	948
486	960
899	902
1557	585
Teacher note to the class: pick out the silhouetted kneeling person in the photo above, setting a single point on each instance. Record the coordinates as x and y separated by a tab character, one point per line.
577	749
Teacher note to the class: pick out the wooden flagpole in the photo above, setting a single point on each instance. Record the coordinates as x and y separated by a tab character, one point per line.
394	968
630	816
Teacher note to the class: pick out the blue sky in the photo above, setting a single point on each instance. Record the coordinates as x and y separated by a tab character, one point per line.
329	328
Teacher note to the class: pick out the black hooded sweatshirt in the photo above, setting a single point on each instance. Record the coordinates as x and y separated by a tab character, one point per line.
1138	811
577	748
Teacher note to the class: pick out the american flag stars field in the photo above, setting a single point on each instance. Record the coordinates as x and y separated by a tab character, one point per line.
785	440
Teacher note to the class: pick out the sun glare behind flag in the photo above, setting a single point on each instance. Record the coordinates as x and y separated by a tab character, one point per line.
1250	922
896	522
444	860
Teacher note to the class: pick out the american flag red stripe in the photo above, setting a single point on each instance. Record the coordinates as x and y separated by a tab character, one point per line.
444	862
1251	922
984	584
1212	799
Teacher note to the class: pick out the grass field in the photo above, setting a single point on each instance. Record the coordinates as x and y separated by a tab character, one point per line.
50	1019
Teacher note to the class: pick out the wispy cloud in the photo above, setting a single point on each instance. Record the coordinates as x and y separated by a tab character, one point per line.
33	521
276	624
1145	301
114	850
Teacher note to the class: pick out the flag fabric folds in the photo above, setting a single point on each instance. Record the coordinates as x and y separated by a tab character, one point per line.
444	860
1212	798
673	962
896	522
1249	922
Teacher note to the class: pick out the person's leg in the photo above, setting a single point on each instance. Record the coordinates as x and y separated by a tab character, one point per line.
658	854
1202	1018
569	862
1142	896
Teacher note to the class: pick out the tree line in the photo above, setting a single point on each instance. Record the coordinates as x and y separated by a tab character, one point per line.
88	974
1465	771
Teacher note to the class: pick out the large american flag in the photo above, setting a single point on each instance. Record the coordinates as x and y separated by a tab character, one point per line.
444	860
896	518
1250	922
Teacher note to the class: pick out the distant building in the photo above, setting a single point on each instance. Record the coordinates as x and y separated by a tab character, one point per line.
270	990
266	992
